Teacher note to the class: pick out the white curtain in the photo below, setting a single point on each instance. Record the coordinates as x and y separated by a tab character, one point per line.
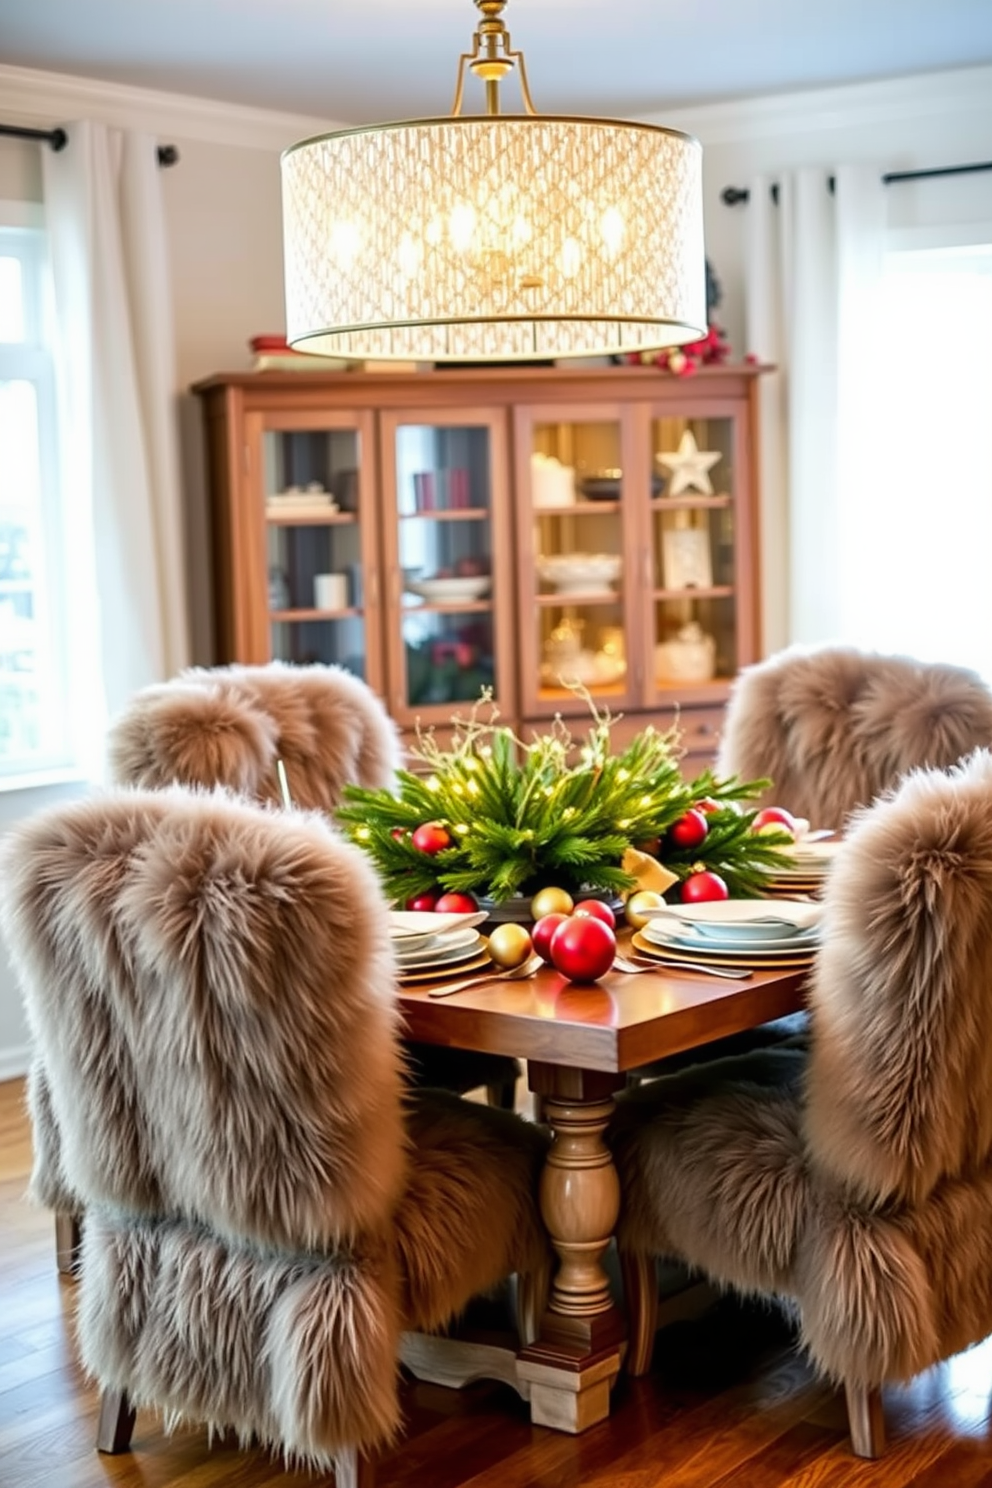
813	266
114	326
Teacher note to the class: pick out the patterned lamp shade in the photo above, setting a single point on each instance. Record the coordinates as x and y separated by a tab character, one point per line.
494	237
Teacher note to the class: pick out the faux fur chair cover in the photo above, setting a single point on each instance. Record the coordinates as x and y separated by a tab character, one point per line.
857	1178
229	725
834	728
218	1084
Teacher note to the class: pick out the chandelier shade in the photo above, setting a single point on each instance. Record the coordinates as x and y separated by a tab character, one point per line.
494	237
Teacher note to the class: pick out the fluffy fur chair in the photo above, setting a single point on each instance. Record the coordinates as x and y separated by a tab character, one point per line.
834	728
855	1179
218	1083
229	726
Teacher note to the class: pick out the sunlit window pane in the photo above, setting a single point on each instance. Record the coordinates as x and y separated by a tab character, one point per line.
11	300
26	671
924	538
34	717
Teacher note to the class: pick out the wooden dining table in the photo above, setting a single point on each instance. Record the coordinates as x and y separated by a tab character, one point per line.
579	1042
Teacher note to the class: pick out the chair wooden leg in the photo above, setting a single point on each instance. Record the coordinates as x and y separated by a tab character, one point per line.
352	1469
113	1432
866	1420
502	1094
640	1290
68	1238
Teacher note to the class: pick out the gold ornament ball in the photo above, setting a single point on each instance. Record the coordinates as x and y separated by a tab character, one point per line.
638	906
551	901
509	946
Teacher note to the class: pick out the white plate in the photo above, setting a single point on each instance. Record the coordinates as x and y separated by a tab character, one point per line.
424	922
448	591
451	942
815	854
741	912
685	939
428	959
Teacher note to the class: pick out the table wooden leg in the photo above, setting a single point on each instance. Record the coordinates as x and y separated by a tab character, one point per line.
575	1360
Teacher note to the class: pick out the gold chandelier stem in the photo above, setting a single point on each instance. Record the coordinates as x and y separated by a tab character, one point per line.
490	59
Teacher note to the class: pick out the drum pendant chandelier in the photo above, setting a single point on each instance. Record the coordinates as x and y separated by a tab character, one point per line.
493	237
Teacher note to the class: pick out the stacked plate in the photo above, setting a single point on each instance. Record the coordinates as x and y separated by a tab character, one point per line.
810	863
429	947
739	934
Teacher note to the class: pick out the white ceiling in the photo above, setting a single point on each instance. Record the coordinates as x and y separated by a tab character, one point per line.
359	61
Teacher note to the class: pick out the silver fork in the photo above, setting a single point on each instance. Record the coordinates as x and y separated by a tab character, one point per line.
515	974
620	963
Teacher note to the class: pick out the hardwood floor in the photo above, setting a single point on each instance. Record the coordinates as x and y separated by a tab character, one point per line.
727	1403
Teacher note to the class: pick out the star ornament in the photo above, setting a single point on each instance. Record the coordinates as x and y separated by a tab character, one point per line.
689	465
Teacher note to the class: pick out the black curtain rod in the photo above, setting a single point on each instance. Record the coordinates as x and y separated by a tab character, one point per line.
731	196
58	139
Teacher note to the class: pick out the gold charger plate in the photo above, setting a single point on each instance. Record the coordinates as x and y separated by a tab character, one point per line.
736	960
449	969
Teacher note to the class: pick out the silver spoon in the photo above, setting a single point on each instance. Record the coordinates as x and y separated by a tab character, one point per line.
515	974
620	963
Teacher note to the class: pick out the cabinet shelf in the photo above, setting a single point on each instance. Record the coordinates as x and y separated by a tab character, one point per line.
577	509
310	519
691	503
450	607
289	617
586	597
463	514
716	591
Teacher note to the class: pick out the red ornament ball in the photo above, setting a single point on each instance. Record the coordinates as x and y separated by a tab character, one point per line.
775	819
454	903
703	887
543	931
432	837
690	830
597	910
424	902
582	948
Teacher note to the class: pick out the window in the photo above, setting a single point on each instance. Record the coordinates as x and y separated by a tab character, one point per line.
34	734
924	540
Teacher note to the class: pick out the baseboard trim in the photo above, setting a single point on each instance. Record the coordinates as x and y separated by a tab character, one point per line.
14	1062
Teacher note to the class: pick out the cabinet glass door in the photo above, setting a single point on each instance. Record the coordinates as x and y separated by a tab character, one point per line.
321	576
575	560
446	548
693	552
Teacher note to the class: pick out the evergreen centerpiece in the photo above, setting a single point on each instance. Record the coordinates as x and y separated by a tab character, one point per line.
495	817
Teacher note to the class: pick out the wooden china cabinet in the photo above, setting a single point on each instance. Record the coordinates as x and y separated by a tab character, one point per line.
516	528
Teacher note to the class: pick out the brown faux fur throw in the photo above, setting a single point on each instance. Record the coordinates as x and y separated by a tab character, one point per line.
218	1083
229	725
856	1179
834	728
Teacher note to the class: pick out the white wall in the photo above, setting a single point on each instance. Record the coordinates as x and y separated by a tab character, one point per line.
222	203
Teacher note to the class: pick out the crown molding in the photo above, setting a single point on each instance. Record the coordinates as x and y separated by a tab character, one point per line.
43	99
965	90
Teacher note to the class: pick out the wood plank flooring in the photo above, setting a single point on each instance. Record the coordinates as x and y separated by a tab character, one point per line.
727	1405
